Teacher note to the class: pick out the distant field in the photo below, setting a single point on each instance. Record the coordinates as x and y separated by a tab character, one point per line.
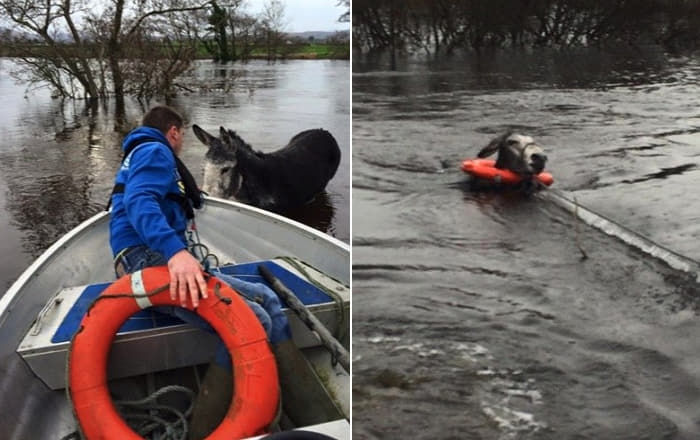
322	51
286	51
307	51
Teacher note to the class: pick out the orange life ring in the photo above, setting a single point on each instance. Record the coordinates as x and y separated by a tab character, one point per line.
486	169
256	387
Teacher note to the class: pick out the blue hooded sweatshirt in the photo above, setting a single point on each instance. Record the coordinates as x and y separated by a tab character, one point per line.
142	214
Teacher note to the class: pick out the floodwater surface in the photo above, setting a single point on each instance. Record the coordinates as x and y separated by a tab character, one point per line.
58	159
475	313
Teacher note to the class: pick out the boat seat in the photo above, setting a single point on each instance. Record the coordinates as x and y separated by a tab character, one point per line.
150	341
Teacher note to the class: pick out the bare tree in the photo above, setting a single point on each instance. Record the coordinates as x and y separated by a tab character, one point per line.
273	22
52	23
242	34
345	17
130	30
97	51
154	62
445	25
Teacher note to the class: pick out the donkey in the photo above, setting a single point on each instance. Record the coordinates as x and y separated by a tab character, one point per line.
279	181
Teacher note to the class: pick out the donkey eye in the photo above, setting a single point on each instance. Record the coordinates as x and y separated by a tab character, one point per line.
225	170
512	142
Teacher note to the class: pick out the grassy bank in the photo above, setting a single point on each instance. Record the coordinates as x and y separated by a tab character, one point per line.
320	51
310	51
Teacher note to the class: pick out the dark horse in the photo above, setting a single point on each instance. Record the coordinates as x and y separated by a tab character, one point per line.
279	181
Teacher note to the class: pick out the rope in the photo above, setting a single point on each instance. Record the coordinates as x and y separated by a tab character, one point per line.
156	419
225	299
156	423
153	292
200	250
340	332
672	259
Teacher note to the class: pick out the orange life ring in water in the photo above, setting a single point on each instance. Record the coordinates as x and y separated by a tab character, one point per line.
486	169
256	387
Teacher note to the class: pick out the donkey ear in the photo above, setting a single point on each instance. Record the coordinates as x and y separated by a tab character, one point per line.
226	138
493	146
202	135
223	135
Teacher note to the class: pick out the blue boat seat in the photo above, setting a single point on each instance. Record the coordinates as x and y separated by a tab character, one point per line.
150	341
147	319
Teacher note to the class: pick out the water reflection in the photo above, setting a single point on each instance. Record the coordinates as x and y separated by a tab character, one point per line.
318	213
48	206
239	77
517	69
50	173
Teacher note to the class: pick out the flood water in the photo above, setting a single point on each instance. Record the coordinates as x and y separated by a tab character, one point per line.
58	160
474	314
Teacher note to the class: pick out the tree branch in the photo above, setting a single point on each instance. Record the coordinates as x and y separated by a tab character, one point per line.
141	19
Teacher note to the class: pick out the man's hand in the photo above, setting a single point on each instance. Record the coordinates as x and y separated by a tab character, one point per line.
186	276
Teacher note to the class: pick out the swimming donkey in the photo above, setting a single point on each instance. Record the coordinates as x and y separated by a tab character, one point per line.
277	181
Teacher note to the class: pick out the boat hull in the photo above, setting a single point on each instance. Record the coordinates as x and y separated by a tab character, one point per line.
233	231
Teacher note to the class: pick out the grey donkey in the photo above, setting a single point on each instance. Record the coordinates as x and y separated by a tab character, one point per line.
278	181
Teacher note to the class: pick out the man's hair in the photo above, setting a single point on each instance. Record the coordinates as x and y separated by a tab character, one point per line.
163	117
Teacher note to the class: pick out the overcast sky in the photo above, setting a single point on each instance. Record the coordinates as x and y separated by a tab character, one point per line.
307	15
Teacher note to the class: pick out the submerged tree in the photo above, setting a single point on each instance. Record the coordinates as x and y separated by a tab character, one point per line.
445	25
230	34
100	55
52	24
218	19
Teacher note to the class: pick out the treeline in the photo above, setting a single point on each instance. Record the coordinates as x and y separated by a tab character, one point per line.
334	47
442	26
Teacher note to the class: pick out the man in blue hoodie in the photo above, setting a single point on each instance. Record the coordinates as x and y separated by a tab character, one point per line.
149	205
152	201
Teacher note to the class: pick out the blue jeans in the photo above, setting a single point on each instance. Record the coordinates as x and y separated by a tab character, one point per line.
260	298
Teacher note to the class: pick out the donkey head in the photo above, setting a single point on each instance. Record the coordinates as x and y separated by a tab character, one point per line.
517	153
222	178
